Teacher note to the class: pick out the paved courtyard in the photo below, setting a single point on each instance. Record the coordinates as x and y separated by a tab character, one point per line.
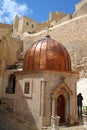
7	122
79	127
72	128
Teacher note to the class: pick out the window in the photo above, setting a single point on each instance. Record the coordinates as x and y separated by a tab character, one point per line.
32	25
27	23
11	84
26	87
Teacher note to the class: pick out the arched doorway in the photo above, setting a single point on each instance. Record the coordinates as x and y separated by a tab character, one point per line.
61	108
11	84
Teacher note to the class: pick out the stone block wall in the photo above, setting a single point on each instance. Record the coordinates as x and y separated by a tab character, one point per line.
27	25
8	56
14	46
5	30
35	107
80	4
56	16
27	106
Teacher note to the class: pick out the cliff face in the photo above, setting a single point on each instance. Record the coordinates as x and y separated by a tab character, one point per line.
10	48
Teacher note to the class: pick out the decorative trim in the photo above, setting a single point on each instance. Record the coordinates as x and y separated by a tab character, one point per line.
27	95
60	87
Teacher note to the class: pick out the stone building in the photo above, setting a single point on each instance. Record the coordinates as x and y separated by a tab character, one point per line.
46	86
15	39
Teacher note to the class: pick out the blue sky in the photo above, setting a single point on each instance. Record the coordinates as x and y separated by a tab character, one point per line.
37	10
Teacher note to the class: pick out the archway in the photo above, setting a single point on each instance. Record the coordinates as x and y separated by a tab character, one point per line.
11	84
61	108
62	103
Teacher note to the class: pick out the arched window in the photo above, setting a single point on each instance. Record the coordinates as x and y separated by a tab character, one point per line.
11	84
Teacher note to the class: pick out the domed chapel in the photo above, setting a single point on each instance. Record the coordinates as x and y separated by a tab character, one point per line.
46	86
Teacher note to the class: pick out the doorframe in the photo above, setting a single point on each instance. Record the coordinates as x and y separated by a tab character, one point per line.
64	107
62	89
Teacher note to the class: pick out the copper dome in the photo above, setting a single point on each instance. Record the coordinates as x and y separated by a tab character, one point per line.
47	54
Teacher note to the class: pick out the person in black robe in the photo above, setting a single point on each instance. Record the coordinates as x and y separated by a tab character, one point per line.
79	101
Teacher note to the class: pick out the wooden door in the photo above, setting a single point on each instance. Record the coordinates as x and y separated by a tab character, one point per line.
61	108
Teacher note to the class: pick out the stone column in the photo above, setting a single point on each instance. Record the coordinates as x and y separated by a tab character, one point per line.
43	84
54	117
53	105
70	110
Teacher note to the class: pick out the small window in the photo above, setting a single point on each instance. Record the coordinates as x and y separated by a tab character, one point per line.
32	25
27	23
26	87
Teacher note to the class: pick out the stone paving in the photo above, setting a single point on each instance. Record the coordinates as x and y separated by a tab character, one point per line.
79	127
72	128
7	122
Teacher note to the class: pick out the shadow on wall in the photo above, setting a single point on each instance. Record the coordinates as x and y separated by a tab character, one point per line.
22	111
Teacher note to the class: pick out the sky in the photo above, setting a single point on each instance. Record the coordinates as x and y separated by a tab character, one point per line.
37	10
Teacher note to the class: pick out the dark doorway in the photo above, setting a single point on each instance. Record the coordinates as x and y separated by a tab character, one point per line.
61	108
11	84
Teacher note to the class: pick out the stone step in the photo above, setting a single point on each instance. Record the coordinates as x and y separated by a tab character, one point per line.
4	108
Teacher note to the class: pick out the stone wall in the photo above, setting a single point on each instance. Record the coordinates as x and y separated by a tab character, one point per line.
5	29
9	47
41	85
80	4
27	25
3	54
8	50
81	8
56	16
15	45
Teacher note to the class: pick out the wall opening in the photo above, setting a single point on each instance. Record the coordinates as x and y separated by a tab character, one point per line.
61	108
11	84
82	88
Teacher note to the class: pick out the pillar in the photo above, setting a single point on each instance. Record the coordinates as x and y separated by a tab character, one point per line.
70	110
53	105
